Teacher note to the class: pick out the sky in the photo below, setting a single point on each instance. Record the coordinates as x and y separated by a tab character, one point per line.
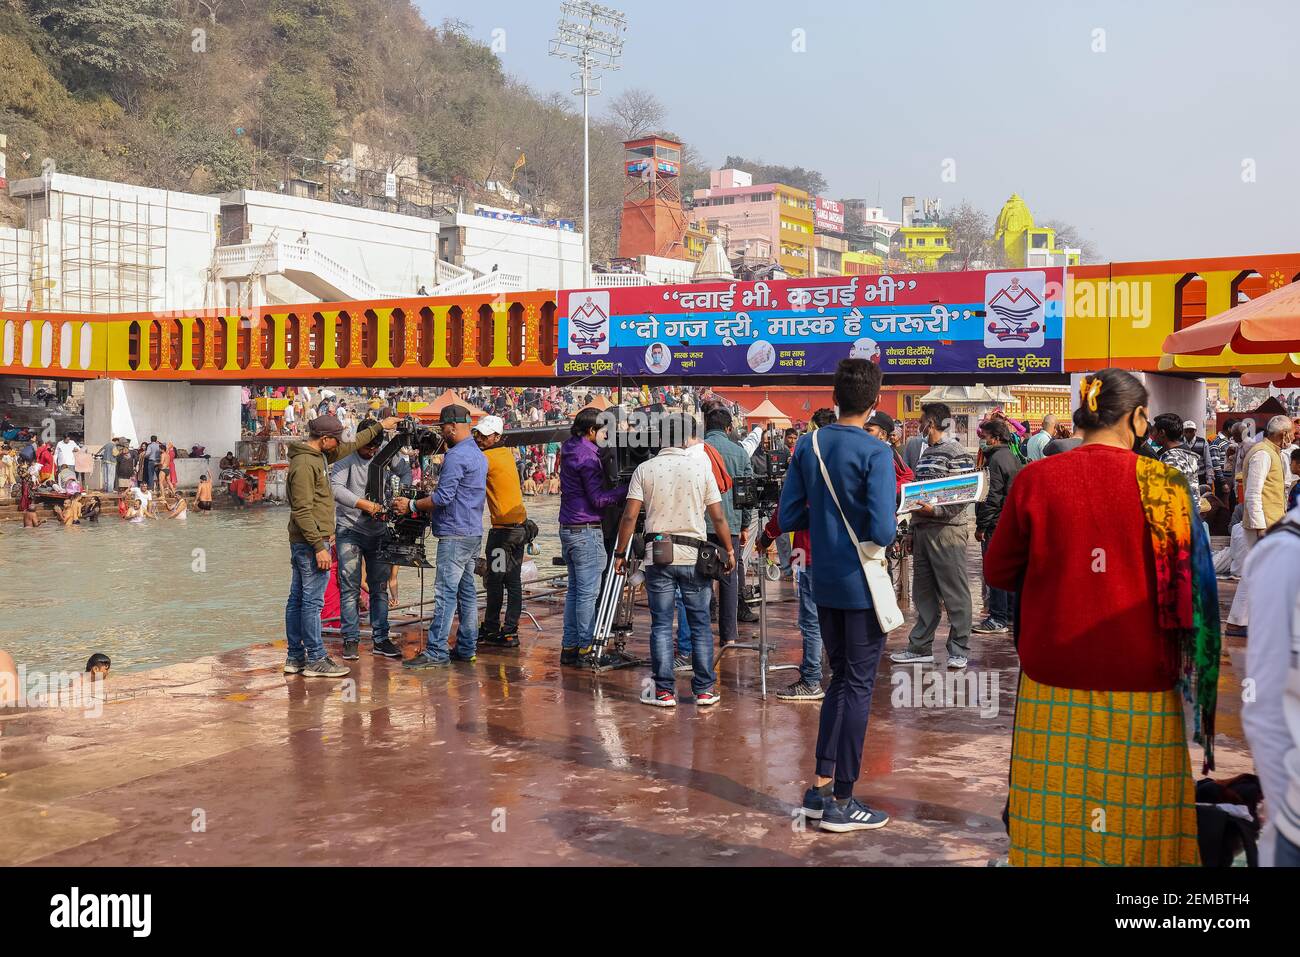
1161	129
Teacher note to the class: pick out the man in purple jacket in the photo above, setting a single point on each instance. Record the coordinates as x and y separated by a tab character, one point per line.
583	497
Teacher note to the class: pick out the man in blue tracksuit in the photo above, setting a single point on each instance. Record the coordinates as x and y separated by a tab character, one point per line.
862	470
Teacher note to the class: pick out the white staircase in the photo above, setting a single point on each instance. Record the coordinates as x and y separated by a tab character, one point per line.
305	266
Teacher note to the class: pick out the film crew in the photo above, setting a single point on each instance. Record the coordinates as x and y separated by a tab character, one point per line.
860	498
504	557
456	510
939	537
677	495
808	686
583	496
736	464
311	530
360	533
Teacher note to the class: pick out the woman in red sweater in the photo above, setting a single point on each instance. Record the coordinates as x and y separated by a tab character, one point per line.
1116	616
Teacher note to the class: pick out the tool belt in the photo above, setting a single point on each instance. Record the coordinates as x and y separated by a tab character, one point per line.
710	559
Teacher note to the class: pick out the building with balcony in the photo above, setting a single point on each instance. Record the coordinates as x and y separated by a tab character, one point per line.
923	244
770	212
861	264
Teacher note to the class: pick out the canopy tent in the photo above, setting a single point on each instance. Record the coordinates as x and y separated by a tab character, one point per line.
768	413
598	402
1283	380
1259	336
431	411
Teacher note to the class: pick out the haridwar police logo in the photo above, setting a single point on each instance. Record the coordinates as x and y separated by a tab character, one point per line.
1016	317
589	323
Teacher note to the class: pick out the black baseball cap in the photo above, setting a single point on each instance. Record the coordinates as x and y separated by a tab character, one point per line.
882	420
453	415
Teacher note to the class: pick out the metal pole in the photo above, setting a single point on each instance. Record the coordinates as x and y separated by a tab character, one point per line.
586	173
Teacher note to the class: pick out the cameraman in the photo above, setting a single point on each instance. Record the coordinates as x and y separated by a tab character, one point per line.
862	470
311	527
717	434
506	538
583	496
359	537
456	509
676	493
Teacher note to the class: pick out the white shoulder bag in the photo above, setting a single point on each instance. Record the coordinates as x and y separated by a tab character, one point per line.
872	558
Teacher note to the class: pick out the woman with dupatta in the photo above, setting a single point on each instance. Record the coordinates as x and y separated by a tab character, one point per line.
1118	625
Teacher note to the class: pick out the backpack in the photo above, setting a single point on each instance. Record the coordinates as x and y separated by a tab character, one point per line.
720	474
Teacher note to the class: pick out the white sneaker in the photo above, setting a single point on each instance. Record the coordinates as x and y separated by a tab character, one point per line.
910	658
957	661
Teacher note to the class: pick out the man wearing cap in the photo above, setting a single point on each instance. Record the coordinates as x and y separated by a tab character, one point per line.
1201	449
506	538
456	507
359	537
311	528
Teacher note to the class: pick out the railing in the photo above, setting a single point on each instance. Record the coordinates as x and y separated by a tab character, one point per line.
618	279
275	258
446	272
498	281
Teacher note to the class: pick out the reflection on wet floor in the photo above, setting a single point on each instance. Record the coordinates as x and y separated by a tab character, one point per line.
508	760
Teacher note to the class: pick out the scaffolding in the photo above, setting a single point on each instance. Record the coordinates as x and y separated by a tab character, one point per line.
85	253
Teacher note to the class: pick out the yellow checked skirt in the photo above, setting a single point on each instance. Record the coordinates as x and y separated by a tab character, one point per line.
1100	778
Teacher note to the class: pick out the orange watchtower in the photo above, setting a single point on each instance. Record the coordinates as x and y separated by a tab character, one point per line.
654	222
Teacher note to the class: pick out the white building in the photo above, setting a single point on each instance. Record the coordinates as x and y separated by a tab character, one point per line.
545	257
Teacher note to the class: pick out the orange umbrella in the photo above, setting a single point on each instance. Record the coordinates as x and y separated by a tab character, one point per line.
768	412
599	403
1289	380
1267	325
450	397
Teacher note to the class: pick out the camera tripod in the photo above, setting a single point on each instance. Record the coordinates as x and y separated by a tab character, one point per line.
613	626
763	646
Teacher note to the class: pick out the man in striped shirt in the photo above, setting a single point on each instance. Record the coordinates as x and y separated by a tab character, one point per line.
940	534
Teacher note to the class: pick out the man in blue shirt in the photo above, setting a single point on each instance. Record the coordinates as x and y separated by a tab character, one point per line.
862	470
457	522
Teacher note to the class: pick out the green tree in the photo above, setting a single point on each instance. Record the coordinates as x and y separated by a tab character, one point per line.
106	44
808	180
296	114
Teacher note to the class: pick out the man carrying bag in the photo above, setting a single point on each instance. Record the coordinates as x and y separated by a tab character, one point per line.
840	486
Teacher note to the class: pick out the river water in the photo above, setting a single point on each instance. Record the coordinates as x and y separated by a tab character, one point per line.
165	591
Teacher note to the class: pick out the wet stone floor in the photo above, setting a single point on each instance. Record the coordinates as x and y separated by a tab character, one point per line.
510	760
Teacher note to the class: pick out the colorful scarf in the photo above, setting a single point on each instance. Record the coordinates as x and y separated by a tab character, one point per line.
1187	592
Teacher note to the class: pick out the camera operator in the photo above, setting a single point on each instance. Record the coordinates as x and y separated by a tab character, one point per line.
808	686
583	496
506	538
717	434
311	527
862	470
676	494
456	507
359	537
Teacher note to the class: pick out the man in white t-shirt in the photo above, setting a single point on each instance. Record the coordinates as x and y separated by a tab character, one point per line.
676	493
65	454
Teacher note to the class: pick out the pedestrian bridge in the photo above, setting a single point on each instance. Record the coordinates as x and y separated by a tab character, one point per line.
1115	314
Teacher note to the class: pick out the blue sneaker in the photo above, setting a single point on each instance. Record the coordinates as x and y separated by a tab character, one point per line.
422	661
814	803
851	815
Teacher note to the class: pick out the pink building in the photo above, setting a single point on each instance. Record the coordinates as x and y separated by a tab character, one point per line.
749	217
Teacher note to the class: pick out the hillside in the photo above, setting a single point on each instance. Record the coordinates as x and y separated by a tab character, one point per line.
216	95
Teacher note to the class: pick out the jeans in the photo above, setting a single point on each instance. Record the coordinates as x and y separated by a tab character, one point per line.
683	628
109	478
728	596
1285	854
661	585
783	549
306	601
853	645
584	556
1001	604
505	562
453	590
352	547
148	473
810	669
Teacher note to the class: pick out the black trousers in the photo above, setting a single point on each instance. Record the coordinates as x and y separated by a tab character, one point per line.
728	594
853	643
505	559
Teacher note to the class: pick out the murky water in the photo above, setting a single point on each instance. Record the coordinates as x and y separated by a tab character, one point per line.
164	591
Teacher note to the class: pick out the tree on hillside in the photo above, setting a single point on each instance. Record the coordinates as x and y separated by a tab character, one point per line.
637	112
808	180
108	44
295	114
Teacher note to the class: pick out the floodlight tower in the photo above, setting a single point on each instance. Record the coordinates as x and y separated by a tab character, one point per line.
591	35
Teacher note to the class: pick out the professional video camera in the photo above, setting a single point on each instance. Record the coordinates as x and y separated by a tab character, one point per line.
637	436
762	491
403	542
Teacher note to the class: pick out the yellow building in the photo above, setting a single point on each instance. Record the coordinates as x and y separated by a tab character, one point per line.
795	232
1023	243
861	264
696	241
1032	402
924	244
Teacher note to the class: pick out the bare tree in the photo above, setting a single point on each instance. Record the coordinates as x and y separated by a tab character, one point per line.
970	235
637	112
1068	235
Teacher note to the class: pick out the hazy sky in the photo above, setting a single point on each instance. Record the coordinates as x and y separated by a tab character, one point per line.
1141	146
